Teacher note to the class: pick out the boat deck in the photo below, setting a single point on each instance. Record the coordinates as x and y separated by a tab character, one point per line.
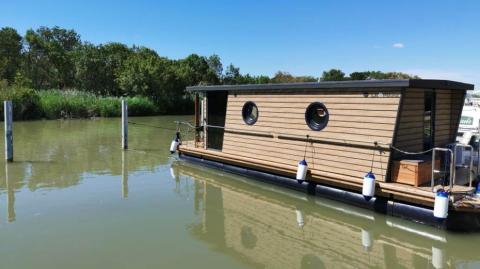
422	195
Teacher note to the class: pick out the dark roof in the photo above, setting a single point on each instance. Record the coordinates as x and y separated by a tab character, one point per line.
387	83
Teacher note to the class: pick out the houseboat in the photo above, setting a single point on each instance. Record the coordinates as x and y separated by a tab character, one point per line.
386	145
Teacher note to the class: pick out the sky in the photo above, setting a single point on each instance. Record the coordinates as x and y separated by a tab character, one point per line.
433	39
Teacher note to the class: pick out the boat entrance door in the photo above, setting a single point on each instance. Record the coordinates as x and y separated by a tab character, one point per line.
216	112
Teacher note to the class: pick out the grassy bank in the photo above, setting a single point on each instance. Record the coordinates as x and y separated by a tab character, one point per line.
54	104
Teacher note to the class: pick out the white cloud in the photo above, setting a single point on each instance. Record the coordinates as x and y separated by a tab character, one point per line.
398	45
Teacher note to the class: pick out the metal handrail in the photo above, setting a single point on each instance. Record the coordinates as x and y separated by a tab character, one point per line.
433	166
470	167
375	143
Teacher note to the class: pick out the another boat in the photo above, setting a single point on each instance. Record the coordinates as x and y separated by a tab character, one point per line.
387	145
469	123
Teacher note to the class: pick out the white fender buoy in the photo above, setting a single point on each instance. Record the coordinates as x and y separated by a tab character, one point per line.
174	145
366	240
300	220
302	171
438	258
440	209
368	190
172	173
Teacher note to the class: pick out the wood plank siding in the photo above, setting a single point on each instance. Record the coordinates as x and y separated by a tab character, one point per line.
409	135
343	150
362	125
448	106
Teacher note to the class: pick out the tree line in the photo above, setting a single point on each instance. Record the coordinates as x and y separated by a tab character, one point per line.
57	58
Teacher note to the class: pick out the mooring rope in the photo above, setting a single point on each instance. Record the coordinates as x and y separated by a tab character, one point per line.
306	145
411	153
373	159
152	126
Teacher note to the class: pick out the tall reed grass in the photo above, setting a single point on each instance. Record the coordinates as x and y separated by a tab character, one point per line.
55	104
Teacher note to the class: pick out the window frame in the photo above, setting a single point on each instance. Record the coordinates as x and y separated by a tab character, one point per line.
248	119
309	119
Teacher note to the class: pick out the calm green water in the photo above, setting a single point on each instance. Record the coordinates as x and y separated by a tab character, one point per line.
74	199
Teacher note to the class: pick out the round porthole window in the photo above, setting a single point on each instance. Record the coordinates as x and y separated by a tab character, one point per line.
316	116
250	113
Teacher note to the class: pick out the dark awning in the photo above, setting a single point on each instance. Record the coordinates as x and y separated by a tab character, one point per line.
350	84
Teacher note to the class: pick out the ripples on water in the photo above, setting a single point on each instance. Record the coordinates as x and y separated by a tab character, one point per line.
74	199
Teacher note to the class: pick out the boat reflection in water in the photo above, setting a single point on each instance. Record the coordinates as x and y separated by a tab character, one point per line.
269	227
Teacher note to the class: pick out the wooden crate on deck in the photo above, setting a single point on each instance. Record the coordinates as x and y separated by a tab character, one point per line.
413	172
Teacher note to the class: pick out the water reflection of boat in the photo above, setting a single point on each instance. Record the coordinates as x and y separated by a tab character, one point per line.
257	225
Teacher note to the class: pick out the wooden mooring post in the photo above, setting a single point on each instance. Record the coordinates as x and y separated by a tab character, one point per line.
8	119
10	186
124	174
124	124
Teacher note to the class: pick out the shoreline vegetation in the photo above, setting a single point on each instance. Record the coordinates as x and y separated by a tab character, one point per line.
51	73
29	104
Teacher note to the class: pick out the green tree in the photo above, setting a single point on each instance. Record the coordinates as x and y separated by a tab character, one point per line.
249	79
333	75
115	55
380	75
261	79
49	58
10	53
145	73
285	77
282	77
21	81
215	66
399	75
90	68
195	69
232	75
359	75
96	67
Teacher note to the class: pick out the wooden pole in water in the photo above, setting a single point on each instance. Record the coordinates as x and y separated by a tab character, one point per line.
8	119
10	196
124	174
124	124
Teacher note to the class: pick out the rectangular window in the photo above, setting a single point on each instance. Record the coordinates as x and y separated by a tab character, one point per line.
465	120
428	120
